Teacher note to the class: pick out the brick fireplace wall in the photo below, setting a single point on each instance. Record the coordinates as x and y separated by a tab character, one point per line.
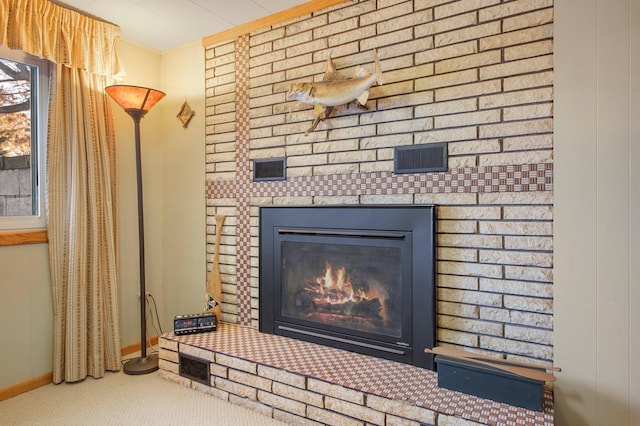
477	74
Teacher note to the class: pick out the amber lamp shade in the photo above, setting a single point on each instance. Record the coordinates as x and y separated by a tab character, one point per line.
135	97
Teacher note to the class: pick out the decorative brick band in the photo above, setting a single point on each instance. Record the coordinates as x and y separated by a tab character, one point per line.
511	178
243	175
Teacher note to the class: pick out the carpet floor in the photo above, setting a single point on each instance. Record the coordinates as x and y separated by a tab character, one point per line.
121	399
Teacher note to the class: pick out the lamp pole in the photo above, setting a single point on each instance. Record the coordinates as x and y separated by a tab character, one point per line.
144	364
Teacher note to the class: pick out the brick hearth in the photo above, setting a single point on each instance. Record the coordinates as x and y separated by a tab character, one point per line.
303	383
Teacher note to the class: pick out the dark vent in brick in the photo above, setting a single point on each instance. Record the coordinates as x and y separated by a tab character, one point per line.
269	169
195	369
430	157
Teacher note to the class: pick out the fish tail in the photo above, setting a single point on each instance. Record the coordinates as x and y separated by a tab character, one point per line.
379	78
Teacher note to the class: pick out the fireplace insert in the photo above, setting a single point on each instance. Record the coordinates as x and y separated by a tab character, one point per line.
360	278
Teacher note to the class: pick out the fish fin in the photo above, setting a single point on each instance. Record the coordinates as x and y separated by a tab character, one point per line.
379	78
313	126
331	71
319	110
362	99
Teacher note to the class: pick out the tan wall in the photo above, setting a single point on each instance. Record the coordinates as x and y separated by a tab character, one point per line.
25	313
184	231
597	225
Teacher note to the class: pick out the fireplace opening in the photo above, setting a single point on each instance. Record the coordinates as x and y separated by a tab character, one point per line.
359	278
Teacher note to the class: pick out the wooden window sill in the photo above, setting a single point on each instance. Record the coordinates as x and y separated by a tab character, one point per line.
14	238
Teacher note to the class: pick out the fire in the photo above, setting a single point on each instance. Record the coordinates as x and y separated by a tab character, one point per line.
336	288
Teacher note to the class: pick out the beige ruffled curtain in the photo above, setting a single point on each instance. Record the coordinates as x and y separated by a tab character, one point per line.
81	180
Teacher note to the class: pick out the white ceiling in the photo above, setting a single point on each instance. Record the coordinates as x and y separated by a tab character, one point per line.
164	24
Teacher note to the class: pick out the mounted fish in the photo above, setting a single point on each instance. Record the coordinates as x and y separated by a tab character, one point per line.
334	91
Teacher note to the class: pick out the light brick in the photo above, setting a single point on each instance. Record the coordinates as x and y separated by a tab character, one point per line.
515	347
518	38
301	395
446	135
469	325
470	269
170	345
539	17
528	273
336	391
469	61
516	228
237	363
386	14
197	352
445	52
533	198
369	415
458	310
528	243
446	80
464	240
512	8
250	380
444	420
456	227
469	297
460	255
457	281
468	90
468	33
169	366
236	388
530	50
457	337
282	403
401	409
292	419
528	142
516	98
524	288
459	7
467	212
330	418
523	66
412	20
505	257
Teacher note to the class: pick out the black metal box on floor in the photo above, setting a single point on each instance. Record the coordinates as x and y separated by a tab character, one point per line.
490	383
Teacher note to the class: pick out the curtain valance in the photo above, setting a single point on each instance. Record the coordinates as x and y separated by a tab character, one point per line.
61	35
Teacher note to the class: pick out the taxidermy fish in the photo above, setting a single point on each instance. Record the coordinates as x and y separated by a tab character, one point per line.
333	91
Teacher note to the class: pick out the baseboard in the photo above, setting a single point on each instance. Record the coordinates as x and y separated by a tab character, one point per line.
45	379
136	347
25	386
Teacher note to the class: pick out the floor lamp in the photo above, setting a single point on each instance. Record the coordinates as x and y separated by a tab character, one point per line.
137	101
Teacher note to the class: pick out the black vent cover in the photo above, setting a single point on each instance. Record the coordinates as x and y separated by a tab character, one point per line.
431	157
269	169
195	369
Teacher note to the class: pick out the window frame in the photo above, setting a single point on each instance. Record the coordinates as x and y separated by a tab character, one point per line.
41	101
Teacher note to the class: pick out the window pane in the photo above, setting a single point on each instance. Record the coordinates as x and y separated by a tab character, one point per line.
24	97
16	177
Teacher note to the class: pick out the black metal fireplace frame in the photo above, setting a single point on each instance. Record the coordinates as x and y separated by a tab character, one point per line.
415	222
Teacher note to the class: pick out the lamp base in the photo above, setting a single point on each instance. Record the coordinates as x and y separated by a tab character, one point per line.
141	365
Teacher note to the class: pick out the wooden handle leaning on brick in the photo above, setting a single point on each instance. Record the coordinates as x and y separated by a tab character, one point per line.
213	302
529	373
447	351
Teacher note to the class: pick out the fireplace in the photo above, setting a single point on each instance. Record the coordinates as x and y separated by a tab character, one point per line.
360	278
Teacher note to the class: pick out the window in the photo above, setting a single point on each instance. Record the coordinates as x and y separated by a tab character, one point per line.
24	90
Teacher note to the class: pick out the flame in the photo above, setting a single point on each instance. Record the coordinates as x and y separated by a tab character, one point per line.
335	287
